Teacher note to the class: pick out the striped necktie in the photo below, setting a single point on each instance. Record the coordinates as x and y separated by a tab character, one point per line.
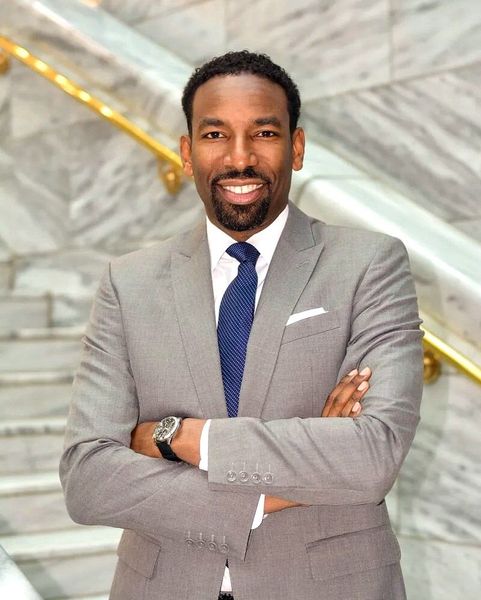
236	314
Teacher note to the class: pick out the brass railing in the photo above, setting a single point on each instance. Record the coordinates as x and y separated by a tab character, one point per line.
435	348
170	165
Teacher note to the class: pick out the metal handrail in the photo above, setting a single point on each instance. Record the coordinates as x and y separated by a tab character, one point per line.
171	176
448	353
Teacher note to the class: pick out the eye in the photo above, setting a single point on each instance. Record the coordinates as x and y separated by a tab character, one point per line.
213	135
267	133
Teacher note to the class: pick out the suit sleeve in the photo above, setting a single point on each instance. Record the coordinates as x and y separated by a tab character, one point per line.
340	461
105	482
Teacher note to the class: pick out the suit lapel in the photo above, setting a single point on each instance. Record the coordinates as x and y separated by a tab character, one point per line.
294	260
194	301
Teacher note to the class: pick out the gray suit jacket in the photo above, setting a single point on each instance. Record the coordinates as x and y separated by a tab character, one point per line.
151	351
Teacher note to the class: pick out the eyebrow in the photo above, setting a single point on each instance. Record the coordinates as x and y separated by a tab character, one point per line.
209	121
268	121
213	122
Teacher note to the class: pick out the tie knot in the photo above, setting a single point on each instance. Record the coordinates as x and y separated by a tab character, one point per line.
243	252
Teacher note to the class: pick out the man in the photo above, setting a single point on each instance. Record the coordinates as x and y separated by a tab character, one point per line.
172	336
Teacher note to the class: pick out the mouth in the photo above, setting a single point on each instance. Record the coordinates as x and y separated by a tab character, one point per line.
241	193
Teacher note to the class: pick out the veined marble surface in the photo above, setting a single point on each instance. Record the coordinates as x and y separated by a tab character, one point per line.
131	11
436	570
193	31
422	137
440	482
435	35
328	47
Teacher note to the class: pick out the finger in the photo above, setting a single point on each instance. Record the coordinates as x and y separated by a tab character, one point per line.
348	394
355	398
330	399
356	410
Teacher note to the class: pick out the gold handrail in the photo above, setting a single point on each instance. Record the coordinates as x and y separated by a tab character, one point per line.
459	360
171	176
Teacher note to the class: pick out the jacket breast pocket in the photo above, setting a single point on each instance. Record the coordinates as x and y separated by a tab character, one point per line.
353	552
138	553
311	326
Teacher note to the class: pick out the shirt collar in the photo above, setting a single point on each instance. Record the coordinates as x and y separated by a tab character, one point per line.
265	240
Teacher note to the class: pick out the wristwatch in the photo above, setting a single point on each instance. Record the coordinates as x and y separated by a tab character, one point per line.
163	435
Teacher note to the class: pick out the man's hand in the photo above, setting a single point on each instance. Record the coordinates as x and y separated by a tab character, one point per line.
345	398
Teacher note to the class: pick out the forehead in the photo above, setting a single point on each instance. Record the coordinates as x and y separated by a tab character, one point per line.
228	97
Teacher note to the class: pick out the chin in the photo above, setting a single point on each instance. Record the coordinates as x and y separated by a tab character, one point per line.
241	217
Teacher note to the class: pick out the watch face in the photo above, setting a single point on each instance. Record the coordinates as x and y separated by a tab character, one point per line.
165	428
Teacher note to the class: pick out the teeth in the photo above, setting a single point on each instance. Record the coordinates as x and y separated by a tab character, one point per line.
242	189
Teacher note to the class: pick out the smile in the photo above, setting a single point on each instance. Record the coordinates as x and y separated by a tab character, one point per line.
241	194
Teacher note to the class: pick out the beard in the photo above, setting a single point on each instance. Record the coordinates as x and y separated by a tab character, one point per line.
238	217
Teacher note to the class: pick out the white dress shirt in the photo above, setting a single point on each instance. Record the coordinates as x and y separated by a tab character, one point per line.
224	270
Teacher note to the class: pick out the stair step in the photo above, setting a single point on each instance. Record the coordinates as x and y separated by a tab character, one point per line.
37	377
35	400
57	563
32	503
43	333
96	597
31	445
19	354
20	311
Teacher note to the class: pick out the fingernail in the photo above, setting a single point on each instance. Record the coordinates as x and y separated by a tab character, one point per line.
356	407
365	371
363	386
353	372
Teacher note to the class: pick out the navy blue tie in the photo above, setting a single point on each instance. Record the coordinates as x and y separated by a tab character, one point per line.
236	314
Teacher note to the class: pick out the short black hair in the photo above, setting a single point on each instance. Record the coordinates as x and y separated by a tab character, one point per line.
235	63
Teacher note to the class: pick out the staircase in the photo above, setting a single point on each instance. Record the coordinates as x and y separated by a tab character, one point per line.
60	559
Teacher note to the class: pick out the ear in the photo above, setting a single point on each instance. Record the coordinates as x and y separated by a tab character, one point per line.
186	154
298	146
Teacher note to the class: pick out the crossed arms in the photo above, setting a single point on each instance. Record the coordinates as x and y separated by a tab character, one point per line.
106	482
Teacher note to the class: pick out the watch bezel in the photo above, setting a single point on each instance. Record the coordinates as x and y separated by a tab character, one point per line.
165	429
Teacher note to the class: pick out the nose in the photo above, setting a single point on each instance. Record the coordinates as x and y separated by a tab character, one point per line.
240	154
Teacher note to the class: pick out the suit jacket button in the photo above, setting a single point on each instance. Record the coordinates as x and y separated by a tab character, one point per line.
268	478
231	476
190	542
256	477
212	546
224	548
243	477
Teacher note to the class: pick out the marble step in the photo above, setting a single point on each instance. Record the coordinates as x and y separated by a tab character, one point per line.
32	503
96	597
30	445
38	354
35	399
78	562
42	333
23	311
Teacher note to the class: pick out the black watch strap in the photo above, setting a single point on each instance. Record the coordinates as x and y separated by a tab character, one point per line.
167	452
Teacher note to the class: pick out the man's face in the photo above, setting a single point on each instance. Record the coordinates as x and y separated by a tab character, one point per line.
241	152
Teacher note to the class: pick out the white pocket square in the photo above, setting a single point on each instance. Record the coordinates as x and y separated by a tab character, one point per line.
305	314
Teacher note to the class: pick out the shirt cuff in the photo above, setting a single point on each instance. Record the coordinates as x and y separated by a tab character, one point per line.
259	516
204	447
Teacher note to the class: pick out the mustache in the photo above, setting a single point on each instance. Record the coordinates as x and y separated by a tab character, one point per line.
248	173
